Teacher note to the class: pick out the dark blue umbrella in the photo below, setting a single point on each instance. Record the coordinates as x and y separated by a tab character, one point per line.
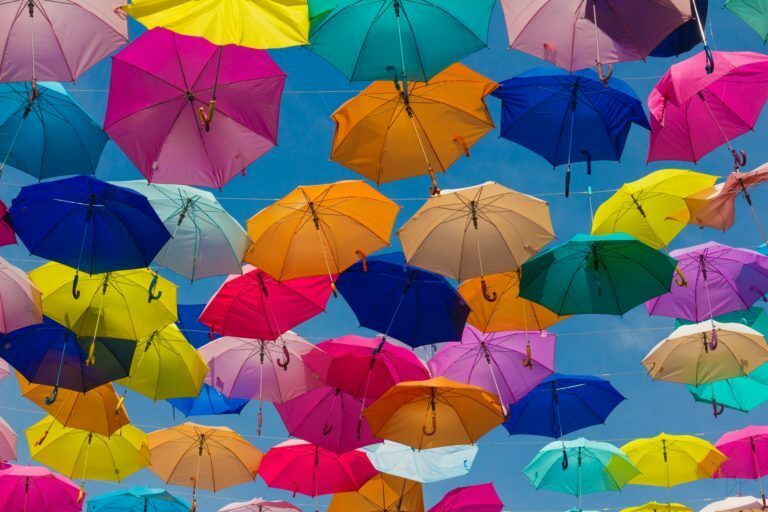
197	333
686	36
410	304
562	404
568	118
88	224
210	401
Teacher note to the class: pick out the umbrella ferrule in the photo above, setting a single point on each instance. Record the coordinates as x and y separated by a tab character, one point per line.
31	8
263	285
105	283
201	445
486	354
313	212
664	449
637	205
184	211
397	6
703	265
473	212
261	351
89	212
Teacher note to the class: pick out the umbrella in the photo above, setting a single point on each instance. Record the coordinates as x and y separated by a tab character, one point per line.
741	394
99	410
434	413
717	279
138	499
7	442
259	505
394	39
198	456
255	305
654	506
694	112
690	356
602	274
507	228
412	305
509	364
5	369
210	401
425	466
562	404
244	23
382	493
320	230
20	300
753	13
746	449
180	141
735	504
205	240
684	38
668	460
7	234
43	31
166	366
577	118
197	333
509	312
50	135
88	224
386	133
643	208
479	498
25	487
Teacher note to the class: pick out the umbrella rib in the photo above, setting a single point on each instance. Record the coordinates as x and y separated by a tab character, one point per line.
56	38
8	35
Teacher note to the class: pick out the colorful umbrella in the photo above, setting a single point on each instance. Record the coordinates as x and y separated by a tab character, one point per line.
42	30
735	504
205	240
746	450
5	369
509	364
7	234
259	505
577	118
180	141
382	493
654	506
320	230
412	305
741	394
394	39
31	488
425	466
210	401
138	499
683	39
479	498
753	13
197	333
581	275
7	442
20	300
386	133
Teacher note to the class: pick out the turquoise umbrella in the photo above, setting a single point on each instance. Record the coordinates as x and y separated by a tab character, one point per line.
137	499
398	39
740	394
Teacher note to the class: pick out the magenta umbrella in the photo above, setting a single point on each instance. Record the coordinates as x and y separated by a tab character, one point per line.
35	489
475	498
509	364
716	279
188	112
7	234
747	452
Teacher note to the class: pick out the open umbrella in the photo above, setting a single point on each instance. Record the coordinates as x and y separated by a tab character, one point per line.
654	506
20	300
210	401
197	333
7	442
7	234
741	394
137	499
25	487
382	493
482	497
425	466
746	450
753	13
685	37
5	369
259	505
735	504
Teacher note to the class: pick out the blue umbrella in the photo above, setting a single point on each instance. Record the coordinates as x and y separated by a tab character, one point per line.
577	117
88	224
197	333
47	136
137	499
686	36
562	404
410	304
210	401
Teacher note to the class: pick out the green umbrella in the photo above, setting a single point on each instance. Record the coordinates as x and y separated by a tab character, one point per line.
754	317
753	12
607	274
742	394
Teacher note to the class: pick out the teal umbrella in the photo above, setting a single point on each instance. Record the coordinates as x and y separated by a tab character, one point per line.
741	394
606	274
753	12
137	499
397	39
754	317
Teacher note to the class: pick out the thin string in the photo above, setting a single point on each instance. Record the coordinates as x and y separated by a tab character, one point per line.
712	115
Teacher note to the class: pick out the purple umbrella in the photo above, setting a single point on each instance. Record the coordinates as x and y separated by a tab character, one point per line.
509	364
188	112
717	279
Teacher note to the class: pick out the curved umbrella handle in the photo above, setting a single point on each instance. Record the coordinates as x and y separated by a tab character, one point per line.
327	429
527	360
565	460
75	291
710	65
207	117
153	293
434	427
81	493
713	343
739	160
717	409
601	72
284	364
459	140
363	258
682	282
490	297
762	295
42	438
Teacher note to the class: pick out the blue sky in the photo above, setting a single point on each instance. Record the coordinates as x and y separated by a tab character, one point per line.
607	346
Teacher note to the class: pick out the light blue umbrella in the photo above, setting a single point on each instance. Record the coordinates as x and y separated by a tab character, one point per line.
137	499
425	466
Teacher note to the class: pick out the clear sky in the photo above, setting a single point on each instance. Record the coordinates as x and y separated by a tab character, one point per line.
607	346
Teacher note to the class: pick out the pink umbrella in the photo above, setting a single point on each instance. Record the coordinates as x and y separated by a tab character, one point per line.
20	300
204	112
35	489
509	364
7	442
260	505
475	498
272	371
7	235
693	112
5	369
255	305
39	42
329	418
747	452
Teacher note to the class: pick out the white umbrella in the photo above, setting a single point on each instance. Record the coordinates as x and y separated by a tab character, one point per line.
735	504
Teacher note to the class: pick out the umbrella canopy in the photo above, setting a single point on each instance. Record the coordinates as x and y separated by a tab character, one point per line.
735	504
7	442
52	136
88	224
42	30
381	493
7	234
509	364
259	505
507	228
425	466
480	498
206	240
5	369
387	134
138	499
581	275
746	450
741	394
434	413
752	13
684	38
654	506
387	39
669	460
320	230
20	300
244	23
644	208
35	488
175	147
562	404
210	401
196	332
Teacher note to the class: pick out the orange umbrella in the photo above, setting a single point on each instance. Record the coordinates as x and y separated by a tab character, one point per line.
387	134
382	493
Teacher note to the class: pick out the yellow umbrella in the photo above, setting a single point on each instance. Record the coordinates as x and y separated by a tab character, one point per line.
320	229
166	366
650	208
386	135
253	23
653	506
382	493
98	410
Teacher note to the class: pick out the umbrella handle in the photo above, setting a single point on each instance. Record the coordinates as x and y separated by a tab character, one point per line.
284	364
601	72
193	508
359	426
42	438
589	161
682	281
434	427
713	343
363	258
568	182
259	422
710	65
54	395
739	160
564	463
91	360
459	140
527	360
81	493
153	293
490	297
120	402
717	409
327	429
434	190
207	117
75	291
